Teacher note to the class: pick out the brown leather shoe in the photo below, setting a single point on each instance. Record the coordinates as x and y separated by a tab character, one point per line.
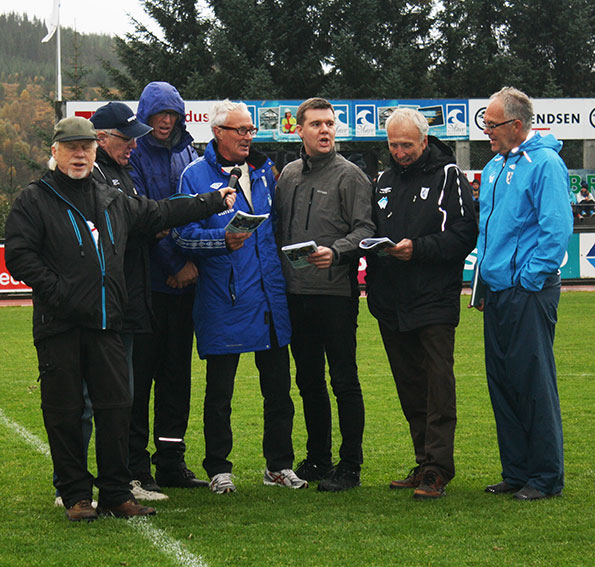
82	510
127	509
431	486
412	481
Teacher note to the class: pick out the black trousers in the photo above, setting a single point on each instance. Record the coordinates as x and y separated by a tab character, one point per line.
163	357
422	364
65	361
325	325
275	384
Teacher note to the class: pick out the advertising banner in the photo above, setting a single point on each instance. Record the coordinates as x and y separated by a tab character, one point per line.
7	283
356	120
567	119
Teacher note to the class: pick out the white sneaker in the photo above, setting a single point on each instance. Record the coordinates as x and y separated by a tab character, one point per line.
221	483
286	477
141	494
58	502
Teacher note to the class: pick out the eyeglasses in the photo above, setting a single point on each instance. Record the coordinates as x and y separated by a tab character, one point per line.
242	130
492	127
125	138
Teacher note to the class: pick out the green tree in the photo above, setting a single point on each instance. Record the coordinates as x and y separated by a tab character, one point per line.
551	47
469	50
379	49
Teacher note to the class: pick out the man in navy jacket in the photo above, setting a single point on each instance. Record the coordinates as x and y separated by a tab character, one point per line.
240	303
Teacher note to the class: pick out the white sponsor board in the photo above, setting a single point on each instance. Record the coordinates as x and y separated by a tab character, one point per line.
197	115
567	119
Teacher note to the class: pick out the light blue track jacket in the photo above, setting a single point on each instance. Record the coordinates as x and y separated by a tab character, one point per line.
525	219
238	294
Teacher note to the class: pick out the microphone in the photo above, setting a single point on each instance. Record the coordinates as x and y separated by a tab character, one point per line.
234	176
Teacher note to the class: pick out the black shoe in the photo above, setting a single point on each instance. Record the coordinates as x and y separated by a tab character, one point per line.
311	472
181	478
147	482
501	488
340	478
530	493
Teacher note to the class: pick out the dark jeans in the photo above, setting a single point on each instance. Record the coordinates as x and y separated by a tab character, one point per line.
519	328
422	363
97	358
163	357
325	325
275	384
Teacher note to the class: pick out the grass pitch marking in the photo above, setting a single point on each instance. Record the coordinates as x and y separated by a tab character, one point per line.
160	539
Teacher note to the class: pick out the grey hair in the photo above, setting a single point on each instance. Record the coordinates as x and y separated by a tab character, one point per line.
517	105
400	115
222	108
52	163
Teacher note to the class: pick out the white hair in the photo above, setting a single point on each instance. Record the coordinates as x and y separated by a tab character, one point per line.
222	108
401	115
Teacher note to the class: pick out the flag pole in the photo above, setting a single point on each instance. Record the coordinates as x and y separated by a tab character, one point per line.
58	61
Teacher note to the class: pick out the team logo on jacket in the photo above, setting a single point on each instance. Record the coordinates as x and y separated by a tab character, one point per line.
492	177
216	185
424	193
383	202
509	175
383	190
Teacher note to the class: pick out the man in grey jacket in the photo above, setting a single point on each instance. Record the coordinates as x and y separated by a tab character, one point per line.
325	198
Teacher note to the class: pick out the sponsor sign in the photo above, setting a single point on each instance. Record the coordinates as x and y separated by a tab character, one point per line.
567	119
362	120
7	283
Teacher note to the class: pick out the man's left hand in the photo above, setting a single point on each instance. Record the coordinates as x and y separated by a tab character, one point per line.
322	259
402	251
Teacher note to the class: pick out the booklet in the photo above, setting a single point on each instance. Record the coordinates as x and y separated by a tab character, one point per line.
245	222
298	253
376	245
478	291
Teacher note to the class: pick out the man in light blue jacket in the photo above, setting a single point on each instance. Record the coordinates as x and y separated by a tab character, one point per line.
525	226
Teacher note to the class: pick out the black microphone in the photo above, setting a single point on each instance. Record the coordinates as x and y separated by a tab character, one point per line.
234	176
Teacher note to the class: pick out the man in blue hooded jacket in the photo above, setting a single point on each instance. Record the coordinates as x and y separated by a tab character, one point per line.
165	355
240	303
525	225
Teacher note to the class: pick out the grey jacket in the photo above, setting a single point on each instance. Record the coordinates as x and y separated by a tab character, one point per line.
326	199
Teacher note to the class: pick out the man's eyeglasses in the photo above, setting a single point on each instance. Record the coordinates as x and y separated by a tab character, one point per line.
492	127
242	130
125	138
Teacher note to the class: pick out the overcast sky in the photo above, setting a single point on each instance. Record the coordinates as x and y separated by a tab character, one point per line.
103	16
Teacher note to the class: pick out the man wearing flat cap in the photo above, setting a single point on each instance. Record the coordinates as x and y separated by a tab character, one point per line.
65	237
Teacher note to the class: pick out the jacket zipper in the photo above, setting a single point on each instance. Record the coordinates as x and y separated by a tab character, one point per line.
309	207
99	252
485	242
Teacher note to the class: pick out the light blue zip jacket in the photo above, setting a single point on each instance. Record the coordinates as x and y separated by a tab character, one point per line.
525	219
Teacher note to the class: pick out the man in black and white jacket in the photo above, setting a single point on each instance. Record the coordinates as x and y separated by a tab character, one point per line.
423	203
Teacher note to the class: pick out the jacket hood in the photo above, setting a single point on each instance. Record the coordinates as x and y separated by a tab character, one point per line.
437	154
158	96
536	141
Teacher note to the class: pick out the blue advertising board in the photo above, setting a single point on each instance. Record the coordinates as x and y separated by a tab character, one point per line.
360	120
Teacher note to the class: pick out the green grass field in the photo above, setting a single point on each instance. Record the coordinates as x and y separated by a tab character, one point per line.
274	527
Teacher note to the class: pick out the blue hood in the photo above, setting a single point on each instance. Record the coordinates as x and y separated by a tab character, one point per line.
538	142
158	96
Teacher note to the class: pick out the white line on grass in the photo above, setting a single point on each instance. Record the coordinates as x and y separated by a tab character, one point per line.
165	543
30	438
160	539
